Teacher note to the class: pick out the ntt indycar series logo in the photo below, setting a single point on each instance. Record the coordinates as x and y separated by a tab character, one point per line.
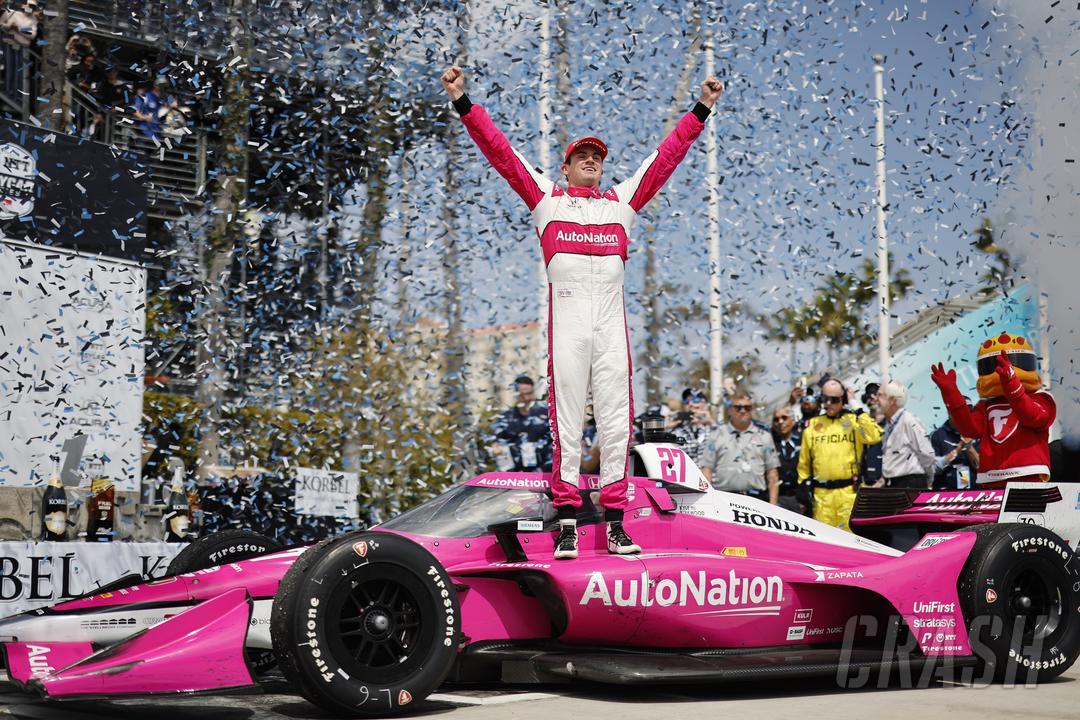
733	594
593	238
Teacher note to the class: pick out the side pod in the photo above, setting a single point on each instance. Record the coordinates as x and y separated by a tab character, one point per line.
199	649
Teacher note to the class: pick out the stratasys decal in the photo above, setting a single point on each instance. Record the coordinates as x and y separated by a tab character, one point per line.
743	595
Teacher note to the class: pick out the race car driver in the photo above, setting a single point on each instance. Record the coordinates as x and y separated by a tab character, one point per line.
584	232
832	448
1013	416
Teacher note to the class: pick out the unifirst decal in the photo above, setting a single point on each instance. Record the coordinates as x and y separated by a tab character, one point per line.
691	589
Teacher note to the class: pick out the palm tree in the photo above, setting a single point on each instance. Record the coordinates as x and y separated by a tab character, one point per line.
996	277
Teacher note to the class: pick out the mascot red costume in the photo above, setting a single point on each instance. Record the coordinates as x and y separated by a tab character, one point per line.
1013	415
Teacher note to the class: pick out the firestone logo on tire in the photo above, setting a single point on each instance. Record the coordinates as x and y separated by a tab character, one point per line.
404	698
360	548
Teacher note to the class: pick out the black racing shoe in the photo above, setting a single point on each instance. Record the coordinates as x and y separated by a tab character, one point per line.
618	542
566	543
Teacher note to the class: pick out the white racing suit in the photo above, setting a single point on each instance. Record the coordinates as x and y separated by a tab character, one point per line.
584	235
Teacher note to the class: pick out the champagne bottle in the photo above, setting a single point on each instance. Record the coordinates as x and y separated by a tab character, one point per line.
177	519
54	511
100	509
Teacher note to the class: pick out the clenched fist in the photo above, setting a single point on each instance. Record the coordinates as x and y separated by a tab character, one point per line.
710	91
453	81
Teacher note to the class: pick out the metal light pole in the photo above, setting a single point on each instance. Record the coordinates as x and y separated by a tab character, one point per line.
884	359
716	327
543	152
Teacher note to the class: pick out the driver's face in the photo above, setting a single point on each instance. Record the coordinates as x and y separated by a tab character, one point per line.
585	167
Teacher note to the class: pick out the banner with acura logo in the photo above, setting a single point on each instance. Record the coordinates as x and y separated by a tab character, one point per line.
71	366
36	574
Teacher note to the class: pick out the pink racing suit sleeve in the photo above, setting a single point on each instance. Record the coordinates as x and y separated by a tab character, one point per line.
508	162
638	190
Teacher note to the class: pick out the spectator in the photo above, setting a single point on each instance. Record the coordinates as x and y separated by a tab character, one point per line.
21	26
113	92
146	107
809	408
957	460
740	457
786	440
78	46
870	471
524	429
694	424
830	456
907	457
172	116
86	75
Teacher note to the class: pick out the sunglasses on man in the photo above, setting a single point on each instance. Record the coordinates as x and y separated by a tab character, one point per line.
742	408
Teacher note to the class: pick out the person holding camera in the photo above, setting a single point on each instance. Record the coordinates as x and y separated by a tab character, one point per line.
829	459
694	424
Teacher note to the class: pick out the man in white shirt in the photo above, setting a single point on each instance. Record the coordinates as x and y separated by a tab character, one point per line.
907	457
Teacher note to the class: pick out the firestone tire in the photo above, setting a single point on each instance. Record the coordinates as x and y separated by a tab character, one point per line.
221	548
1020	593
225	547
366	624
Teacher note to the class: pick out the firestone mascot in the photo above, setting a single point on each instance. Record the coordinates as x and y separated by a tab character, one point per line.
1013	415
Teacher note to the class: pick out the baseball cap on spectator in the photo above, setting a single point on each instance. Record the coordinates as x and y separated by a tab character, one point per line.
585	141
693	395
523	380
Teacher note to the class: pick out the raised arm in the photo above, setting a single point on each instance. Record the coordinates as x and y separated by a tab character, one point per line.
651	175
968	424
1032	411
508	162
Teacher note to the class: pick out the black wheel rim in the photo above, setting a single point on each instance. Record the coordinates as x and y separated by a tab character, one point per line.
376	629
1036	605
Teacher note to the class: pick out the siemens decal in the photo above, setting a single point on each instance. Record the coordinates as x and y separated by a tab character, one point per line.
595	238
691	589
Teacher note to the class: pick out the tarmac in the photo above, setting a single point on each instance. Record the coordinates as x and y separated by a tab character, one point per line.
801	700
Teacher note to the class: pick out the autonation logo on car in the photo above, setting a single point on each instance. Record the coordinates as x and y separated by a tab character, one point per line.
739	595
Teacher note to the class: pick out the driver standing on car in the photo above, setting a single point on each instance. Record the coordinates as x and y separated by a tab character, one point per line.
584	233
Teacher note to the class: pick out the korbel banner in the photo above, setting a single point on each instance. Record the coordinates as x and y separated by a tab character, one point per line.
36	574
327	493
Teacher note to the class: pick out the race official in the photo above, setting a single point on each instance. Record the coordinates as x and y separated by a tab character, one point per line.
741	457
831	452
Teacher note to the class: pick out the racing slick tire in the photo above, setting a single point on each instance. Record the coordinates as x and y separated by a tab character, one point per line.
220	548
1020	593
366	624
225	547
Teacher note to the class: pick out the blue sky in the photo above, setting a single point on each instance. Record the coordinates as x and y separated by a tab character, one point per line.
795	129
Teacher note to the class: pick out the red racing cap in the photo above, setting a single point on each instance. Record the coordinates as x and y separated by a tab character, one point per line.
583	142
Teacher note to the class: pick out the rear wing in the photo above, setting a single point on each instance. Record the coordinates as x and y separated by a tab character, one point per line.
1054	506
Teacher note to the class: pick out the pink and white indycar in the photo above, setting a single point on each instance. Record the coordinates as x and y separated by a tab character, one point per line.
464	589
